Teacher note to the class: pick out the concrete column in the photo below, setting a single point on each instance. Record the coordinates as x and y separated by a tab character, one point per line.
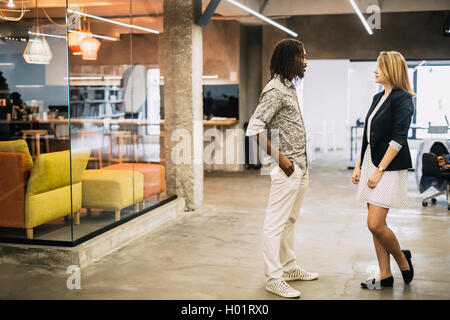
249	75
250	72
183	101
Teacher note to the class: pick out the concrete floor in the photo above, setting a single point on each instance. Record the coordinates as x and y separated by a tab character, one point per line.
215	252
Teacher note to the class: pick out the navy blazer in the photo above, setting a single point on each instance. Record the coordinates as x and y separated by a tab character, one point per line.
391	122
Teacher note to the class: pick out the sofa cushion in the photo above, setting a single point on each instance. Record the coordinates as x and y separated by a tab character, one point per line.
111	189
17	146
52	170
48	206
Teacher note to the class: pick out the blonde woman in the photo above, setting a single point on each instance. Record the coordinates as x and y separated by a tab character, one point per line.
382	167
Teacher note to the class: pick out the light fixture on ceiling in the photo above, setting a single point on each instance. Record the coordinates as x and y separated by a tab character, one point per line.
29	86
13	10
75	37
216	76
37	50
94	78
94	35
46	35
70	31
422	63
112	21
361	17
89	48
260	16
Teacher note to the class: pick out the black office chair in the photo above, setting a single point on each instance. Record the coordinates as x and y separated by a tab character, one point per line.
430	167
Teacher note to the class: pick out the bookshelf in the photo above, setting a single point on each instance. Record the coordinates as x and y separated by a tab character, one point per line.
96	102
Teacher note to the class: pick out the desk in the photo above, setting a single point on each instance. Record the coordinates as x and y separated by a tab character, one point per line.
353	128
227	122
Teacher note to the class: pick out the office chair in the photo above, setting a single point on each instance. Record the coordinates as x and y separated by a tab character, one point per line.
430	167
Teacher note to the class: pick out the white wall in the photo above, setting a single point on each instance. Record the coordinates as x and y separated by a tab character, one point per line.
339	91
362	88
433	97
325	98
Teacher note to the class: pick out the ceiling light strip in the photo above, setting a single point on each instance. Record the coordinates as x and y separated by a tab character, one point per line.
95	78
94	35
260	16
112	21
361	17
46	35
216	76
72	31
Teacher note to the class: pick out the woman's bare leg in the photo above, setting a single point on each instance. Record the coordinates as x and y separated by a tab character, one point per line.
384	259
376	221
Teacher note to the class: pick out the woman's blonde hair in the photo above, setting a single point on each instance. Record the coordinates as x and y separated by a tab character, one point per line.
394	70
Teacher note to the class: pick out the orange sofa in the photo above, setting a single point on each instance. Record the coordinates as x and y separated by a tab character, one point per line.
14	174
32	194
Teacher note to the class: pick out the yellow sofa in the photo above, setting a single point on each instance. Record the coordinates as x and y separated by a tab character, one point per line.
47	191
48	195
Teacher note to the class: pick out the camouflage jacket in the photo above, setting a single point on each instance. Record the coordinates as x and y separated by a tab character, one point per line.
279	113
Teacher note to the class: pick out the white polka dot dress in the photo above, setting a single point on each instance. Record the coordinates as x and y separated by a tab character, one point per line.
390	192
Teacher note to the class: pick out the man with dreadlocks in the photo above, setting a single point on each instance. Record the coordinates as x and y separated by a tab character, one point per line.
279	113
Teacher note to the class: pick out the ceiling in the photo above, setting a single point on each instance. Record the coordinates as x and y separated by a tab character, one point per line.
149	13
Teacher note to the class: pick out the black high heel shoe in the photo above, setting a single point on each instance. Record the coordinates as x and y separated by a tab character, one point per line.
408	275
372	283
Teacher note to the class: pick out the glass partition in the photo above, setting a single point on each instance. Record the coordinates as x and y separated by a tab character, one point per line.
81	129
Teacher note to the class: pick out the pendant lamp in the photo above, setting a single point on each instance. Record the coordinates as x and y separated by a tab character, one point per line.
89	48
37	50
75	38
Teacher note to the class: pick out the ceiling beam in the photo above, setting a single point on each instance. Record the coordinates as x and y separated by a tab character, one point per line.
263	6
209	11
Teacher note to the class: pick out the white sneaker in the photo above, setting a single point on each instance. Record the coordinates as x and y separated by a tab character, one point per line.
299	274
281	288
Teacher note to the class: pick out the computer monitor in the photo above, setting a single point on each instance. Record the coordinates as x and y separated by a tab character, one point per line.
221	101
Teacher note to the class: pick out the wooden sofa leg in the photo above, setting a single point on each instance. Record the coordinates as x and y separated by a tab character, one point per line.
117	214
89	212
158	197
29	233
77	217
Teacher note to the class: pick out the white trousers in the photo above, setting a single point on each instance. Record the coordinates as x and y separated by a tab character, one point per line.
285	201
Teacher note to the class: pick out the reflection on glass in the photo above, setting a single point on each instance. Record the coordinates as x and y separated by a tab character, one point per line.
36	189
80	119
115	113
